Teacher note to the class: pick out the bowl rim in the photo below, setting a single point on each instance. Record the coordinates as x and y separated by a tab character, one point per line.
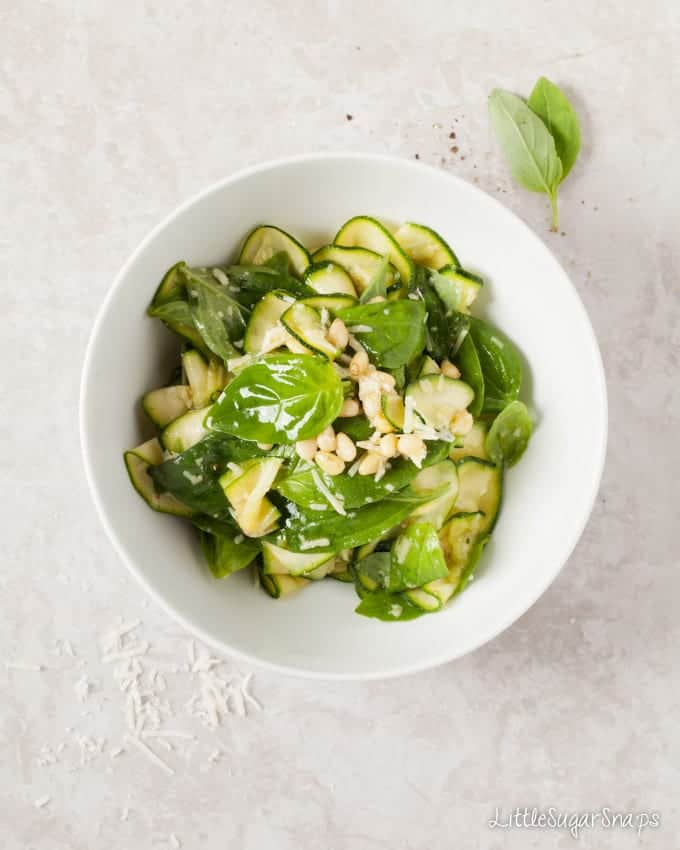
513	613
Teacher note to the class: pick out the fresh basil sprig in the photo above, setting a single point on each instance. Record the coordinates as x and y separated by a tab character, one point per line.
540	137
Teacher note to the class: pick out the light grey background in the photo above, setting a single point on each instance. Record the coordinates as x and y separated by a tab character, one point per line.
111	114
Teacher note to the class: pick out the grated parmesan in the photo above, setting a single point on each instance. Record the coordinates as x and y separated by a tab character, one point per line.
313	544
334	501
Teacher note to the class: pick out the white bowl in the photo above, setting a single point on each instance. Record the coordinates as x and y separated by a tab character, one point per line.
548	496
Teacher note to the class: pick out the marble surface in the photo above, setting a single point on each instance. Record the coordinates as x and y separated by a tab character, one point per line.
114	113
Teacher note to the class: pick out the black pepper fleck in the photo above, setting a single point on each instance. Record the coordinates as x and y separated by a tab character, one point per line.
349	117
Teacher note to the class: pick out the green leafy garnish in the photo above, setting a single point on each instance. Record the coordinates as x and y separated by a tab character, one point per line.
509	434
392	332
225	555
281	399
500	363
549	102
390	607
540	138
467	361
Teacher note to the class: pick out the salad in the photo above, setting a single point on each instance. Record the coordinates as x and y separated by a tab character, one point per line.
340	415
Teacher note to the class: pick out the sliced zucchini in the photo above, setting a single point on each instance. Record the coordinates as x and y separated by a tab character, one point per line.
437	399
170	287
460	539
393	410
457	288
428	367
441	588
277	560
245	487
262	243
304	323
206	378
423	599
480	486
164	405
362	231
278	586
443	474
425	246
137	463
332	303
186	431
328	278
264	320
360	263
473	444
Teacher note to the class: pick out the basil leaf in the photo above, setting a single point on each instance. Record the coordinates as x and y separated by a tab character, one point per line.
509	434
500	362
225	556
173	312
378	284
549	102
392	332
217	316
437	328
467	361
338	531
249	284
459	326
356	427
417	558
389	607
280	399
300	487
527	144
192	476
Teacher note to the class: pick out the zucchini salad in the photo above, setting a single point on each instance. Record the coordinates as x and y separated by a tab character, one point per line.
340	415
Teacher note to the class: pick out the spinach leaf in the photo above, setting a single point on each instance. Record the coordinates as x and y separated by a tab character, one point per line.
192	476
280	399
390	607
356	427
300	487
417	558
177	311
249	284
338	532
500	362
551	105
527	144
377	285
437	334
467	361
509	434
459	326
392	332
217	316
280	262
225	556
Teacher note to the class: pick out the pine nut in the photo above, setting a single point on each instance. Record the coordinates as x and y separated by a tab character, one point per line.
371	404
449	369
326	439
350	407
330	463
345	448
306	449
338	334
265	447
386	382
370	464
389	445
377	299
462	422
412	447
358	364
